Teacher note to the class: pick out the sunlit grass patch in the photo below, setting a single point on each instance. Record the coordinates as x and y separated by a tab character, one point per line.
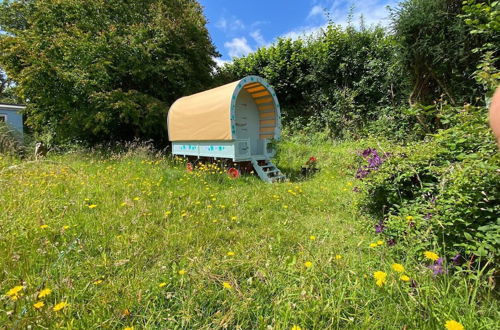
128	240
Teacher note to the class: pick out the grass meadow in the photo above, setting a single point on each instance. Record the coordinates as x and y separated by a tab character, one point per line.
131	240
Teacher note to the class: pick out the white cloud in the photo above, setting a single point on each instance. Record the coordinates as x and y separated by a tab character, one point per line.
373	11
220	62
238	47
230	24
315	11
221	23
257	36
304	32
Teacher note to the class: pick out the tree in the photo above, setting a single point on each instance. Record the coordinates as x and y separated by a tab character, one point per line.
437	50
102	70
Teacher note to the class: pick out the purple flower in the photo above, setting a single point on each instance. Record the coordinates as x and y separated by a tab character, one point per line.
391	242
379	227
458	259
356	189
428	216
437	268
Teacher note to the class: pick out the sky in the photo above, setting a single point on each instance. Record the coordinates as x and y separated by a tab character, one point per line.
238	27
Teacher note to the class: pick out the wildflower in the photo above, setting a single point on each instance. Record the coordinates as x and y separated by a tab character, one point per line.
136	198
45	292
431	255
60	306
182	272
123	204
380	242
162	284
409	218
15	292
308	264
457	259
380	227
230	253
381	278
338	257
453	325
285	206
44	226
437	268
404	278
65	227
39	305
97	282
128	328
312	237
372	245
398	268
227	285
296	327
92	206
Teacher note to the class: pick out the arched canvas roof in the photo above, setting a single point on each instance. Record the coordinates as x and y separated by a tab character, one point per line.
210	115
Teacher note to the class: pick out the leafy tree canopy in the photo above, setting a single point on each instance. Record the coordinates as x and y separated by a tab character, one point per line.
100	70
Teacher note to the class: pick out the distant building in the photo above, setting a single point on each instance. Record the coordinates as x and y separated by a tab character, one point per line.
11	114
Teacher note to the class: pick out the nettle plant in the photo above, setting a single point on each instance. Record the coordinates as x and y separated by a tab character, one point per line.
440	192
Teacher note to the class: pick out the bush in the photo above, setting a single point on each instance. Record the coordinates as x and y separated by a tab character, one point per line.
10	140
443	190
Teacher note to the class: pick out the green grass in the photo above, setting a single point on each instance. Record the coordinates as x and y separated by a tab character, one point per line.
152	219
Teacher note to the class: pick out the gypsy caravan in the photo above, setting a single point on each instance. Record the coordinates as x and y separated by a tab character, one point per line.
237	123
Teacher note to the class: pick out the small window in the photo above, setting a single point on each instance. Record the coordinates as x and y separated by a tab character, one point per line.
3	118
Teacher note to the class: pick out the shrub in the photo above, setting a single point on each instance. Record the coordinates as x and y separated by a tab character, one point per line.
10	141
443	190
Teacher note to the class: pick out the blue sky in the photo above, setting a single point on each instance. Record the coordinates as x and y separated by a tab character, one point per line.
239	27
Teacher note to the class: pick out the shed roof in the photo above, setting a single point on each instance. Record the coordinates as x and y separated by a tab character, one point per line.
12	107
209	115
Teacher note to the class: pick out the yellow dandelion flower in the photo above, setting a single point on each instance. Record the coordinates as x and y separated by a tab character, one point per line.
227	285
44	226
296	327
398	268
233	218
453	325
372	245
15	291
136	198
65	227
338	257
380	277
380	242
92	206
409	218
404	278
285	206
308	264
45	292
230	253
39	305
431	255
312	237
128	328
60	306
97	282
162	284
123	204
182	272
